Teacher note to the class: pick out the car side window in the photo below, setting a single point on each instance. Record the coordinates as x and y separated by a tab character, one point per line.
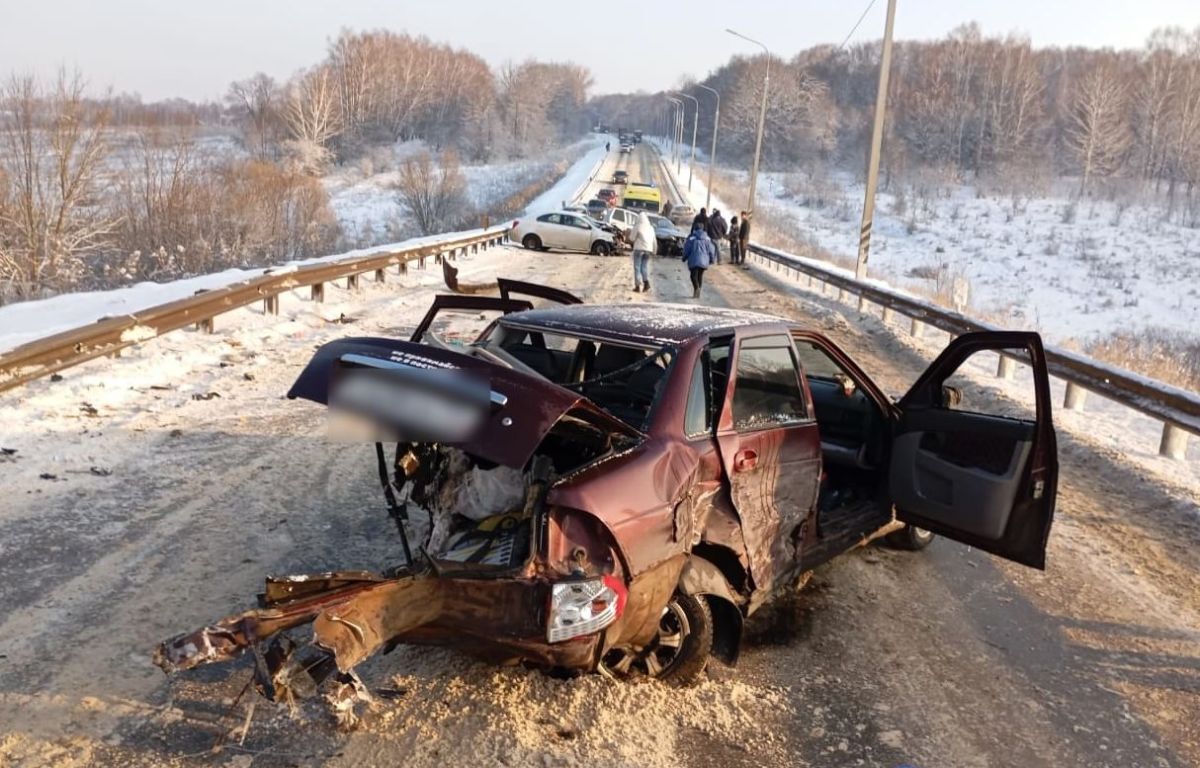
706	392
550	218
816	362
767	391
579	223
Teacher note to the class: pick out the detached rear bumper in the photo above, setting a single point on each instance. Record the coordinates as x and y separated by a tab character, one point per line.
355	614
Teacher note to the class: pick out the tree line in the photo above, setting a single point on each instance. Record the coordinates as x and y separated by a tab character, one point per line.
967	105
99	190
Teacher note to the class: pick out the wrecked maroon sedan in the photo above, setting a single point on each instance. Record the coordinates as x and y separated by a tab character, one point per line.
639	479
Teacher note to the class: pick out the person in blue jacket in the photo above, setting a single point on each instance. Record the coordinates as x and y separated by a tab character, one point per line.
699	252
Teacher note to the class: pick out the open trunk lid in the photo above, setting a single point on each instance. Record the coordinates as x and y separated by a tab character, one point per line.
523	407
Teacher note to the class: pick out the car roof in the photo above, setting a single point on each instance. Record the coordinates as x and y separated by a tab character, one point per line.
650	324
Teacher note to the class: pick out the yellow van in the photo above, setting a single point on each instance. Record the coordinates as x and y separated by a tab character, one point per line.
642	197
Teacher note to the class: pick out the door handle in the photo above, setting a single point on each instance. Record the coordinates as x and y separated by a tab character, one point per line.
745	460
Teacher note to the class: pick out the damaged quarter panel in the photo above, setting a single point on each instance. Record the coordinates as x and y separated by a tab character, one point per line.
635	494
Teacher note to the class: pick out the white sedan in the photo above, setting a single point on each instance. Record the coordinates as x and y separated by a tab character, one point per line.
563	230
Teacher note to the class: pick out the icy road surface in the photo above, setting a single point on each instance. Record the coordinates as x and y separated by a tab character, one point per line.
160	512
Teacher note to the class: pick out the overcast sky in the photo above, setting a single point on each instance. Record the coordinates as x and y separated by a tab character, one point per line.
163	48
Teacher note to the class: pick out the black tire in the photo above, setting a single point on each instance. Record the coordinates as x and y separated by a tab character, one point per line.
601	248
910	538
680	652
532	242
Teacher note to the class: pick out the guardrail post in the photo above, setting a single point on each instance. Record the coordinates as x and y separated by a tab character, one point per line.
403	266
380	276
206	325
474	248
1006	367
888	313
916	328
317	292
271	305
1074	397
1174	442
421	261
438	258
351	282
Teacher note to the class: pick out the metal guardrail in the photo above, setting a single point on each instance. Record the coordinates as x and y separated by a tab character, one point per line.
1177	408
108	336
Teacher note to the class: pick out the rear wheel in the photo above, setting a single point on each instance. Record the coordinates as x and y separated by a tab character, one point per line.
680	651
909	537
532	242
601	248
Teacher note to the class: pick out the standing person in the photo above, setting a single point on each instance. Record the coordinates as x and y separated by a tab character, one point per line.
717	230
608	146
698	253
734	234
701	219
744	237
644	241
666	209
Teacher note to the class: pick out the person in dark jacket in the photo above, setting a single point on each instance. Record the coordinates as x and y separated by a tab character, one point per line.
717	230
701	219
734	234
666	209
744	236
699	253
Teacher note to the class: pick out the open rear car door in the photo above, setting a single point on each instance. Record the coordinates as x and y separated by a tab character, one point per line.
981	479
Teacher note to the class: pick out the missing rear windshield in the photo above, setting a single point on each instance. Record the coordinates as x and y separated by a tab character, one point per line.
622	379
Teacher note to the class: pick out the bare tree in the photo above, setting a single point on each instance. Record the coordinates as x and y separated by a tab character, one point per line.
433	194
52	155
1098	129
256	102
313	118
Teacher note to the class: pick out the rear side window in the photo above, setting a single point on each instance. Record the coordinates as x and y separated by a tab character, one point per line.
767	389
706	393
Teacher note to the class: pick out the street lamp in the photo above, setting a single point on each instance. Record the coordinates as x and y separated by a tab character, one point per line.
712	156
762	116
677	131
695	123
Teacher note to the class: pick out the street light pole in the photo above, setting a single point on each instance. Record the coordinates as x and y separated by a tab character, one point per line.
885	65
695	124
675	125
762	117
712	155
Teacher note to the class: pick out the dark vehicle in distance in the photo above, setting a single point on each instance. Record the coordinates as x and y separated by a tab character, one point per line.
609	196
620	177
656	473
596	207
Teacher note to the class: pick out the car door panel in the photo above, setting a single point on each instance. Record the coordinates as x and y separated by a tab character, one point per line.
773	472
984	480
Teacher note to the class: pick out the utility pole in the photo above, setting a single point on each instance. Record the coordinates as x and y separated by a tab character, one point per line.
885	65
762	118
712	155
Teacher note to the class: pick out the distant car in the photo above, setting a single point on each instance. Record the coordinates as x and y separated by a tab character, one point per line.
607	195
670	238
626	148
566	231
620	177
596	208
683	214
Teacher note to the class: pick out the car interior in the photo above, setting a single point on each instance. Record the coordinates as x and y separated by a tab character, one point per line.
621	379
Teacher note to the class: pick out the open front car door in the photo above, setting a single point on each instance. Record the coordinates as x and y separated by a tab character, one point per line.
979	470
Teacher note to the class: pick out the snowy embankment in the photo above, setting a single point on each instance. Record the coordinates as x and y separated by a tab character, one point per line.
1072	270
26	321
368	208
